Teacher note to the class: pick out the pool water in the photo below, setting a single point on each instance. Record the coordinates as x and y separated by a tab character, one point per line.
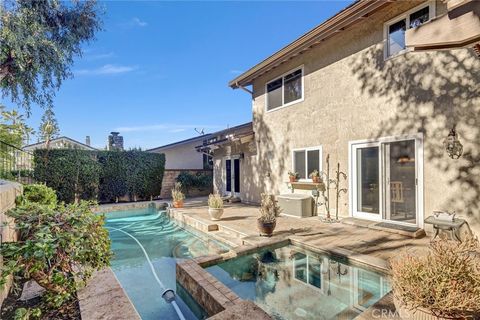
165	242
292	283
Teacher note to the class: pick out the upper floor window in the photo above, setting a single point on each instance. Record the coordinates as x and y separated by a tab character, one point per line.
285	90
395	29
306	160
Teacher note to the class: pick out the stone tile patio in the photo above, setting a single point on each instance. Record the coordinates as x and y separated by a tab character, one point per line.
239	220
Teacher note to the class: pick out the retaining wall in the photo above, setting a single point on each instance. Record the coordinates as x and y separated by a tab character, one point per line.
8	192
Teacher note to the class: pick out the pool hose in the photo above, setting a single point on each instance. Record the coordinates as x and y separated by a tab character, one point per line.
168	294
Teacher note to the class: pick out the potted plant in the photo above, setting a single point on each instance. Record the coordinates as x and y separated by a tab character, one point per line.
315	176
177	195
293	176
269	211
443	284
215	206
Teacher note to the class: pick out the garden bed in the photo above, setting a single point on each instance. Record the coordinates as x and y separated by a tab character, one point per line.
69	311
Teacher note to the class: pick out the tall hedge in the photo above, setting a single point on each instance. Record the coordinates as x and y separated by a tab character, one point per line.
113	176
101	175
72	173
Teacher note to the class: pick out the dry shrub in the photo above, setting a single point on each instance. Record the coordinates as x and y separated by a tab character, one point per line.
215	201
446	281
269	210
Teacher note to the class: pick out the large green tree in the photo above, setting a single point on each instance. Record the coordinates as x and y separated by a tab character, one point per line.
38	41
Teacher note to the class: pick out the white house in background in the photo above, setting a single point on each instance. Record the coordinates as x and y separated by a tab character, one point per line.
61	143
182	155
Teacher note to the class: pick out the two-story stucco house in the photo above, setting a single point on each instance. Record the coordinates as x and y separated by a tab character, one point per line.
351	89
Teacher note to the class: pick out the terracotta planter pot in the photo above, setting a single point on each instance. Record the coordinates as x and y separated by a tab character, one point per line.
315	179
292	179
215	213
178	204
266	229
417	314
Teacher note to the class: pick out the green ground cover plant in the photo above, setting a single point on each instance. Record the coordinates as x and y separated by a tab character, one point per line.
58	246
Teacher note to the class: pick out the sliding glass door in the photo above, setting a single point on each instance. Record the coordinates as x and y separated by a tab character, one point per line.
400	181
384	182
367	181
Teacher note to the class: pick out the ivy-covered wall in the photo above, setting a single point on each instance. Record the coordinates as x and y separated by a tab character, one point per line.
105	176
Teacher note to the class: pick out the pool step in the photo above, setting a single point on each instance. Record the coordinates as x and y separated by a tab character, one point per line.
222	233
227	238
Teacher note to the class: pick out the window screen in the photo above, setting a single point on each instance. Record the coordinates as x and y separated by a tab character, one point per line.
396	37
419	17
292	86
274	94
313	161
299	157
306	161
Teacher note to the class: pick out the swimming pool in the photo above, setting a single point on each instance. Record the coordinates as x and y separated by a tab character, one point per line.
146	239
292	283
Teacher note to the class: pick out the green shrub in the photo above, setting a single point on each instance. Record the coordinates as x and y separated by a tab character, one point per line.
199	180
38	193
59	247
104	175
72	173
145	173
113	176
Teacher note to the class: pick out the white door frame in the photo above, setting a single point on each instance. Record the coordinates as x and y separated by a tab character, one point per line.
354	182
232	172
419	162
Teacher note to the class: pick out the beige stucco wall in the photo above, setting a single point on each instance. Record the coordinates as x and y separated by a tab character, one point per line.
351	93
249	180
182	156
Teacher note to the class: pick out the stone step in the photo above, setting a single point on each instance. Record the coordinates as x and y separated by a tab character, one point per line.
409	231
226	238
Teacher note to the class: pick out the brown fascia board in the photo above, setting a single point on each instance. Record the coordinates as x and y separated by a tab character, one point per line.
341	21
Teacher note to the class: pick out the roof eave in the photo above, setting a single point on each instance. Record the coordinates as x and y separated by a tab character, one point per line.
334	25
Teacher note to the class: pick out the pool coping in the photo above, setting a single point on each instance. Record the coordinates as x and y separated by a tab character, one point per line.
112	207
105	287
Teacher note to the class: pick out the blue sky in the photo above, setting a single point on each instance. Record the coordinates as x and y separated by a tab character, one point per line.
160	69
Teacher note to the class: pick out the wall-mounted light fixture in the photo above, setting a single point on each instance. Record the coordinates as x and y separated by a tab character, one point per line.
452	145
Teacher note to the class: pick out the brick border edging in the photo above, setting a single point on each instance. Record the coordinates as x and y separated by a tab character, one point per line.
120	206
212	295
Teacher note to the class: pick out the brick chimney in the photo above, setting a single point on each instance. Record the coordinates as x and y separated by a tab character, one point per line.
87	140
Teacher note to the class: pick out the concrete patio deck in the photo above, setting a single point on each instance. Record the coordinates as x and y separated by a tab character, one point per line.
239	222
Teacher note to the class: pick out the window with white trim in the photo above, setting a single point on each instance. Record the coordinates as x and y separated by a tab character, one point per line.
305	161
396	28
285	90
